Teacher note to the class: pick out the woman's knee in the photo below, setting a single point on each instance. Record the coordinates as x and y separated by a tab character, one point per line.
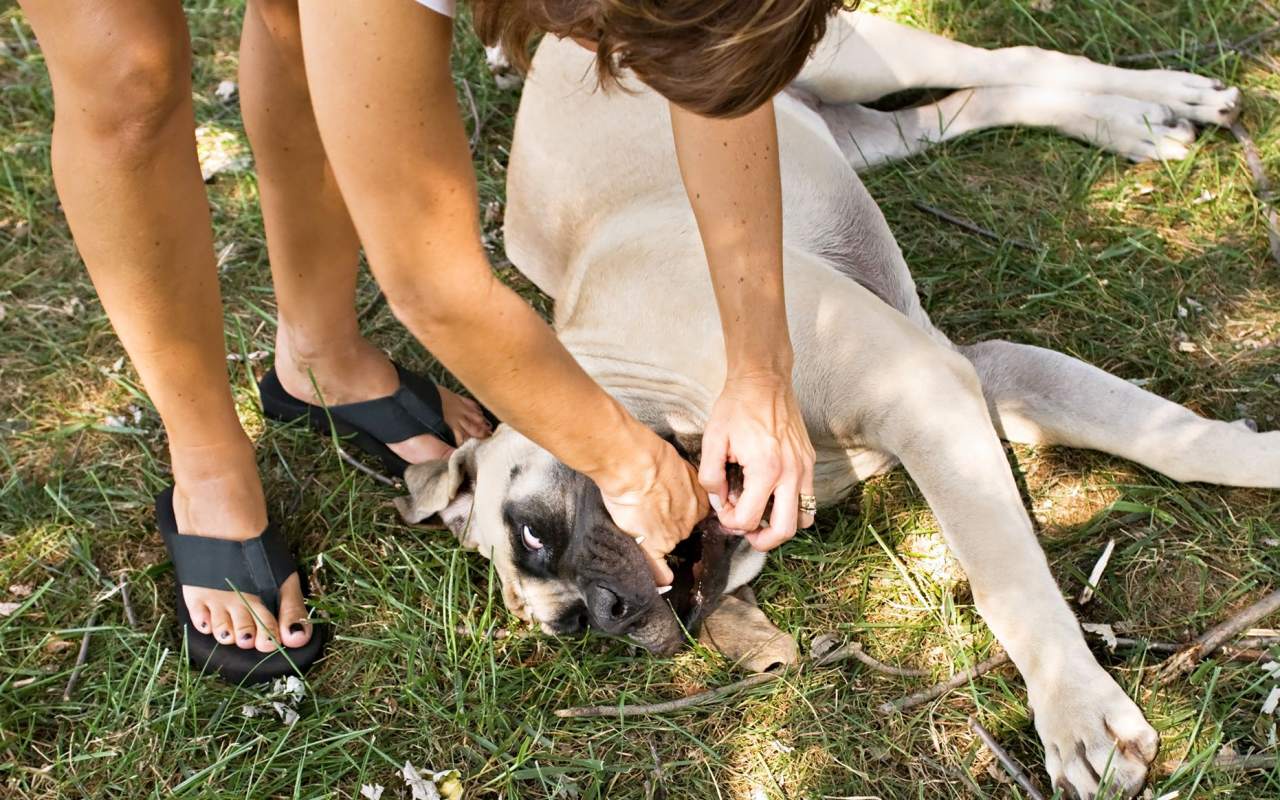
129	94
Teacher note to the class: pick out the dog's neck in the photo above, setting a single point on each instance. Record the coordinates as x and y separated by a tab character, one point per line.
662	399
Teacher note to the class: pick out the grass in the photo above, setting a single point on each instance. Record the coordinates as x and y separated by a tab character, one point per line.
1136	259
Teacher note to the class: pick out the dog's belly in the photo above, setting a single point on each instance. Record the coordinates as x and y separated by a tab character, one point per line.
613	241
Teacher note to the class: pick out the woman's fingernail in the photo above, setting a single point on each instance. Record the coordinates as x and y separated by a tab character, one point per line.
716	503
663	589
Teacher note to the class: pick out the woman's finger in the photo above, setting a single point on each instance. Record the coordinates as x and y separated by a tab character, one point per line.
782	522
711	470
662	575
805	520
760	480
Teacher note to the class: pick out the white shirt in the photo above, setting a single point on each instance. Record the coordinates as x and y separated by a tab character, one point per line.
440	6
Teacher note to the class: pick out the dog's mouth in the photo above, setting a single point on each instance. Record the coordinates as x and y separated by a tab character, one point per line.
700	565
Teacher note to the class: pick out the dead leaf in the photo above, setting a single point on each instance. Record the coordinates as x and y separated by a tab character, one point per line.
6	609
21	590
371	791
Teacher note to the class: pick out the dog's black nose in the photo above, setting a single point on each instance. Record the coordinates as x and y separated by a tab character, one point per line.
613	609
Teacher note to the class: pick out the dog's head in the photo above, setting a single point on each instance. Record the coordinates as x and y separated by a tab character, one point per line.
561	560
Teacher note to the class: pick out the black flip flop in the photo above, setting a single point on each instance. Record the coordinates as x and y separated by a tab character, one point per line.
254	566
370	425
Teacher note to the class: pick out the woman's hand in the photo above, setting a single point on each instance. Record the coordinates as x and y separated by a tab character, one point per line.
756	423
656	499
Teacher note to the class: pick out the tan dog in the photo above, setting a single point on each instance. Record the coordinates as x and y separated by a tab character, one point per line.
598	220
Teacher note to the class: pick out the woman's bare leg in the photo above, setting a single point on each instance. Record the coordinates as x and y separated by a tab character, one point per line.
312	243
125	166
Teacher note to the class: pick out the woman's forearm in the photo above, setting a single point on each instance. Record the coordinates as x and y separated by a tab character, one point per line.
730	170
499	347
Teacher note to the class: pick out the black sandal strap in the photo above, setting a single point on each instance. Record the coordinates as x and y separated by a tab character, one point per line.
413	410
253	566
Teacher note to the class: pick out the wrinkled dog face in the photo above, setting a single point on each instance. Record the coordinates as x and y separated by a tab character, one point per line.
562	561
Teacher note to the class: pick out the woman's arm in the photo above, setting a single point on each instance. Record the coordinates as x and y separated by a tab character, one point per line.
730	171
386	106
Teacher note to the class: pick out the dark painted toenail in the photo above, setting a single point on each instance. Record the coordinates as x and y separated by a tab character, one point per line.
246	636
297	627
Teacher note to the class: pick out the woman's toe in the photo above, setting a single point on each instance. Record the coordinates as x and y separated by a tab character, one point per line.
265	623
295	626
199	613
220	621
243	626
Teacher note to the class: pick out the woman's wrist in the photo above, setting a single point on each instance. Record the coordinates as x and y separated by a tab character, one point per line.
771	361
630	461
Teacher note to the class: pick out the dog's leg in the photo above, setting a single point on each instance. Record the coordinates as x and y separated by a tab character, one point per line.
864	57
1039	396
940	428
1136	129
869	377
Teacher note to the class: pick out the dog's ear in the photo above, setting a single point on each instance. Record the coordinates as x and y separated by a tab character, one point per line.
445	488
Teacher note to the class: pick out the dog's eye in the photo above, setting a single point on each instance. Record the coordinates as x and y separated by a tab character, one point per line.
530	541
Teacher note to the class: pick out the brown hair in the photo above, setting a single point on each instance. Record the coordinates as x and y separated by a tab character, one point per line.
718	58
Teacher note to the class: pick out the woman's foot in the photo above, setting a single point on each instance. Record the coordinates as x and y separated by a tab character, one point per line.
351	370
218	494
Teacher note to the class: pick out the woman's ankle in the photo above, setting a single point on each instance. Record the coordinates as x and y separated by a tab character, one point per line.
217	490
337	368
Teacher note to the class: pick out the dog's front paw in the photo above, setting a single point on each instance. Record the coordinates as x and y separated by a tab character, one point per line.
1097	743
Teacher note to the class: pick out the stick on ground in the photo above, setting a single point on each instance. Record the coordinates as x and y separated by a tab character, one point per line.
854	650
1261	187
1007	761
1216	48
1214	638
129	616
938	690
699	699
372	473
81	657
973	227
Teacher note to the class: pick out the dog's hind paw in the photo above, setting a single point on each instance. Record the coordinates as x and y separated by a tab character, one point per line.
1097	743
1204	101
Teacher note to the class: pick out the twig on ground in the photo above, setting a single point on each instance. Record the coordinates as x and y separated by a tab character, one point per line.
1228	759
1214	638
372	308
1243	650
1007	761
701	698
854	650
129	616
973	227
1261	186
1217	48
938	690
81	657
1091	586
1250	761
372	473
477	125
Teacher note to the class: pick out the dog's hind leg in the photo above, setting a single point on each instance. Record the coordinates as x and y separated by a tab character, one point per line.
864	57
1039	396
1136	129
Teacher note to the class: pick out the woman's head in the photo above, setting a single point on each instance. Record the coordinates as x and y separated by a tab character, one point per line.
718	58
